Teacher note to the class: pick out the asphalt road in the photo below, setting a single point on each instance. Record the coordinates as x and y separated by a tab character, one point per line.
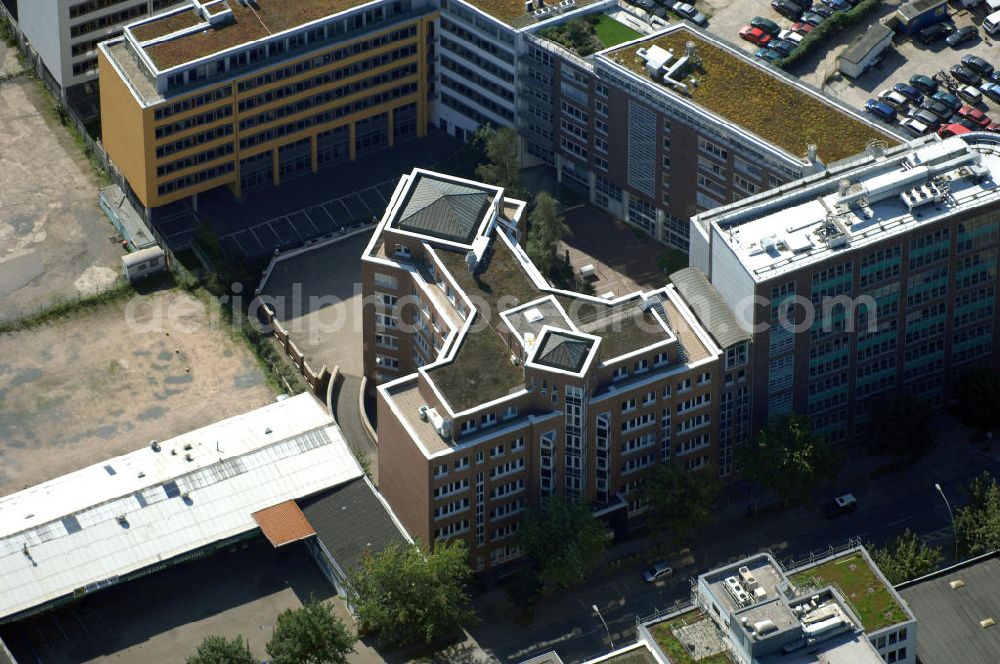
886	508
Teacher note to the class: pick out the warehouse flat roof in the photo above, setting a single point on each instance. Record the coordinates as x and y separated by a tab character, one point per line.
950	606
809	220
86	530
760	99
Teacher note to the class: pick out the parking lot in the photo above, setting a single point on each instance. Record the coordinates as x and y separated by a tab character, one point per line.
910	57
163	617
55	243
305	208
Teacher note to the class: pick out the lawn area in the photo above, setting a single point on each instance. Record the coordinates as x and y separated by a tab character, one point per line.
857	582
674	649
771	107
611	32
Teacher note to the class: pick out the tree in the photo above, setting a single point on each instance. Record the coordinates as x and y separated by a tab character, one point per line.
503	166
408	596
787	458
310	635
978	522
545	230
977	399
219	650
906	557
565	540
902	427
680	501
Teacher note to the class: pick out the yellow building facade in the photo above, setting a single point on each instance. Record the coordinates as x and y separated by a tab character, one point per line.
262	124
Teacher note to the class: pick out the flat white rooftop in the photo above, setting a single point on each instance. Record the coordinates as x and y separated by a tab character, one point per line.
813	219
85	530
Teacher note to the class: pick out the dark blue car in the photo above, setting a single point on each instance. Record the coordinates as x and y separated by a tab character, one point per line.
910	92
880	110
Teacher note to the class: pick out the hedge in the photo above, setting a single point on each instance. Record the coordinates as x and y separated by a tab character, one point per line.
829	29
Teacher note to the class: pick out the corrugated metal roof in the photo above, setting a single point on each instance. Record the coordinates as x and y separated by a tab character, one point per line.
283	523
86	529
708	305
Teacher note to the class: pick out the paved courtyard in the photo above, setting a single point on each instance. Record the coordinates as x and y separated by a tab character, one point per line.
623	262
108	379
55	243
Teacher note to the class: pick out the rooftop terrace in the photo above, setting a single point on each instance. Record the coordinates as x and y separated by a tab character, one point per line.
807	221
871	599
764	102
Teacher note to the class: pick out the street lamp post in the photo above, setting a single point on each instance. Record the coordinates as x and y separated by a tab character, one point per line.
951	514
598	612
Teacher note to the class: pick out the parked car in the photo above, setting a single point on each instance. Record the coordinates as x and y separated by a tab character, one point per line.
813	19
909	92
785	48
933	33
965	75
841	505
802	28
970	94
974	115
993	127
915	127
923	116
684	10
658	571
995	76
967	123
962	35
803	4
787	8
881	110
769	54
953	102
939	109
837	5
952	130
754	35
925	84
765	24
894	99
788	35
978	65
821	9
991	90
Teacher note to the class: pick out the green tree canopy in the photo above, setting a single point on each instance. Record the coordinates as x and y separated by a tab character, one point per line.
220	650
788	458
901	426
409	596
978	522
906	557
545	230
310	635
977	398
503	166
681	501
564	539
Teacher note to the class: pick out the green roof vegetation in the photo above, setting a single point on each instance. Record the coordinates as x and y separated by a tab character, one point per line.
589	34
612	33
165	26
871	600
663	633
482	371
759	100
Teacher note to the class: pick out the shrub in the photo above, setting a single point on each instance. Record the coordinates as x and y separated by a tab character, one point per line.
829	29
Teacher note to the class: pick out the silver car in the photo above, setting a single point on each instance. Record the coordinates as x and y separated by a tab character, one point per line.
685	10
658	571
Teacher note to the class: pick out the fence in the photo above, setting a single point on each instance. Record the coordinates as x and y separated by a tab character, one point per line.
319	381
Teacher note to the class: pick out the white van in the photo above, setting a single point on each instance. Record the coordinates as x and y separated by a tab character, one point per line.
992	6
991	24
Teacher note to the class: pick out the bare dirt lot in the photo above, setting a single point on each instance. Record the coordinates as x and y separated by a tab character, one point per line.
9	64
54	239
108	379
